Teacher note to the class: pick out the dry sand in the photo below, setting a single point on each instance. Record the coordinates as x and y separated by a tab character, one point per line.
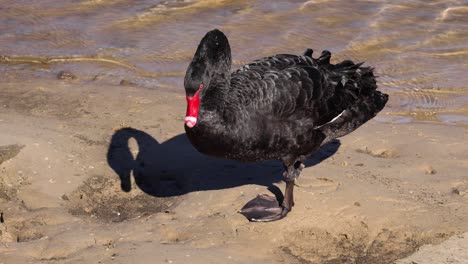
375	196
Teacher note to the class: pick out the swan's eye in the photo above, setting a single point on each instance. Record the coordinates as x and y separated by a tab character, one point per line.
201	86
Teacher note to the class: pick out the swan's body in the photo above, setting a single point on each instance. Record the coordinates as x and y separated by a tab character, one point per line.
280	107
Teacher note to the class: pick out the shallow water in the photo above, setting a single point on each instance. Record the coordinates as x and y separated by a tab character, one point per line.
419	48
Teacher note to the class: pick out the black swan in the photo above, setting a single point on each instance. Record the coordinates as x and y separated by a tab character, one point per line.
280	107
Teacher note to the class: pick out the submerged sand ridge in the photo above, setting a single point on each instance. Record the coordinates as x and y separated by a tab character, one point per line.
419	50
104	174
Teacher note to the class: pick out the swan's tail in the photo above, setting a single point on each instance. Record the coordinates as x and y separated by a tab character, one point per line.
352	96
350	119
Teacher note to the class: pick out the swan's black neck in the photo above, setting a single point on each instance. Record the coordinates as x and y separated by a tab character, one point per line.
211	67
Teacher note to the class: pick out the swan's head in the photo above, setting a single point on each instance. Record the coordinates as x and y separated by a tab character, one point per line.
211	60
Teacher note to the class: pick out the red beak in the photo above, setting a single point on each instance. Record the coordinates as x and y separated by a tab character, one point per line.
193	105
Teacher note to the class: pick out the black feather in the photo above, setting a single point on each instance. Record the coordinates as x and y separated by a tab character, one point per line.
308	52
279	106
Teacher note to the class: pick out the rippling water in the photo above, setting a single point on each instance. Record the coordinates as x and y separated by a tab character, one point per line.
419	48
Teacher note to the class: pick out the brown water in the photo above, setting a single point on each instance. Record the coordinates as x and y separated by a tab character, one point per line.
419	48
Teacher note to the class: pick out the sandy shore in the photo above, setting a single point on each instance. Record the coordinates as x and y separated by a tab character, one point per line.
67	155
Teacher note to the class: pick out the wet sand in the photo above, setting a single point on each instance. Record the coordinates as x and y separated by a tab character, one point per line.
69	149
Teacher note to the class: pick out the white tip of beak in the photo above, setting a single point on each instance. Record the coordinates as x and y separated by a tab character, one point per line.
190	121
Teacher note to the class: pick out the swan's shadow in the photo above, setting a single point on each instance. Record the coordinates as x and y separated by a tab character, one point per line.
174	167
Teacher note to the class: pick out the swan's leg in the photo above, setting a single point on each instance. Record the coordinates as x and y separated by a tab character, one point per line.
265	208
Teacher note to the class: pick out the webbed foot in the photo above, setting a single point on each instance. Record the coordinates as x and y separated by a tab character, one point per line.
264	208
